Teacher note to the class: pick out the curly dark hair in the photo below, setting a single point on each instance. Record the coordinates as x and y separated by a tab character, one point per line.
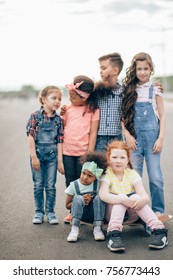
88	87
101	90
130	94
98	157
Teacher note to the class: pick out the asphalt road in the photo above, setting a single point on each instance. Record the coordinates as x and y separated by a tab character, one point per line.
21	240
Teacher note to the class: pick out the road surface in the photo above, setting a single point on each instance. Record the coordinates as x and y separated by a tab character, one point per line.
21	240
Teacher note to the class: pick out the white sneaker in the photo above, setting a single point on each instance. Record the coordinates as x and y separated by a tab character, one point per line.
98	234
73	235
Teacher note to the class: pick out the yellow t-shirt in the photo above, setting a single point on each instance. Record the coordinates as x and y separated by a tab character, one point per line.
126	186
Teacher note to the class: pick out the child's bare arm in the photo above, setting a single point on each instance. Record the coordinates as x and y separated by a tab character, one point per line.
34	159
93	135
69	199
60	161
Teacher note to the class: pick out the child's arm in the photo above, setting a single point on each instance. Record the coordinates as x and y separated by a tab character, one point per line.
93	135
162	116
144	198
130	140
69	199
63	110
34	159
60	161
107	197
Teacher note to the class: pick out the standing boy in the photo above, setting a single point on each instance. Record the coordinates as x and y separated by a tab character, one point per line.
109	91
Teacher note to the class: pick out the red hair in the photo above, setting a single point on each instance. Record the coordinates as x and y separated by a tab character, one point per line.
121	146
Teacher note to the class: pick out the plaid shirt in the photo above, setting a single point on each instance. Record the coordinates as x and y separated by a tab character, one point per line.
33	123
110	113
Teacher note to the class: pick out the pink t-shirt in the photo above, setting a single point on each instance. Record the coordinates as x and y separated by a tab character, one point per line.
77	128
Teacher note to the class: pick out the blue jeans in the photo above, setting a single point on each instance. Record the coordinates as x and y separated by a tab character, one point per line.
45	178
93	213
145	142
104	140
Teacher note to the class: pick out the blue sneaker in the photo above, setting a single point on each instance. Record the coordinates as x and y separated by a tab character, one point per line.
52	219
38	218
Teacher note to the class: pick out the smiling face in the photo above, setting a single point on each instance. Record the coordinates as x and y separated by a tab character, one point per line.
87	177
143	71
76	99
52	101
118	160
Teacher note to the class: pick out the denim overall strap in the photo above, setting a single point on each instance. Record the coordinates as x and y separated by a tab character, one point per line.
95	187
47	131
77	187
145	118
94	192
151	89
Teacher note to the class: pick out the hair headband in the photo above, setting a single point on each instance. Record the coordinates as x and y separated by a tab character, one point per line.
75	88
93	168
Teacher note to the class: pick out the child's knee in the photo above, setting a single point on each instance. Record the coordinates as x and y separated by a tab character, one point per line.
78	199
135	196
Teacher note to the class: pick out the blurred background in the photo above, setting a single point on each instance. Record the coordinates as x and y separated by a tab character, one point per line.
51	41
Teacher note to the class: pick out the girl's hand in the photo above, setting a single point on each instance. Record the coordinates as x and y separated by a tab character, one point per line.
138	204
125	200
35	163
158	145
87	198
131	141
60	167
63	110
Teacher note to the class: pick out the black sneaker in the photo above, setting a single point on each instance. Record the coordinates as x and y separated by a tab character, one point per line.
160	239
115	243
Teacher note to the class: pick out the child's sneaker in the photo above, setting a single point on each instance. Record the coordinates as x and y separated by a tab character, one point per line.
68	219
115	244
98	234
160	239
52	219
73	235
38	218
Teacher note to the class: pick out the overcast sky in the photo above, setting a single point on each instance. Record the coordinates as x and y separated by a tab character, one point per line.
50	41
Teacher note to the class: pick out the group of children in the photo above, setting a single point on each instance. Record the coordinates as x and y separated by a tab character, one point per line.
108	128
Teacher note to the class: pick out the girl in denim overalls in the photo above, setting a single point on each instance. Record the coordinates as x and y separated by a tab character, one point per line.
45	131
82	196
144	125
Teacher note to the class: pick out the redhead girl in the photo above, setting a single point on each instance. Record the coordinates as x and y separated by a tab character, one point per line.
122	188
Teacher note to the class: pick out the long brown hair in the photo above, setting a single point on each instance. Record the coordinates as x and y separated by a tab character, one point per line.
130	94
